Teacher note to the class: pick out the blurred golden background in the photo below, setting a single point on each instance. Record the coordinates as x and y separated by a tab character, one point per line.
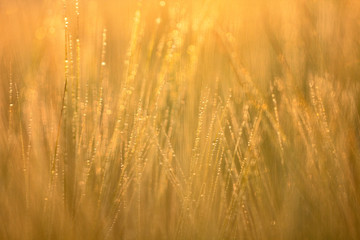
180	119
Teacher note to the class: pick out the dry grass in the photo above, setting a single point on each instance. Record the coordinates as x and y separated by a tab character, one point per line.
180	120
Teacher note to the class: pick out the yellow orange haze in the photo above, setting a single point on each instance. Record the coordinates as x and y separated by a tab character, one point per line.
179	119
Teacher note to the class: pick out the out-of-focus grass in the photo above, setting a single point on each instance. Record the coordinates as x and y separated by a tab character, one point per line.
179	119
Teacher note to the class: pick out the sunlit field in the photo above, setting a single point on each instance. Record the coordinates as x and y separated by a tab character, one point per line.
180	119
